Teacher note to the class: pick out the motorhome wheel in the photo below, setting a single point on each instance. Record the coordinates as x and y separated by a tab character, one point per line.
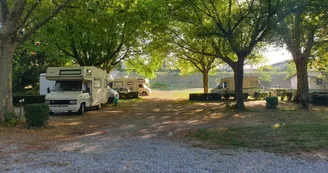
82	109
99	106
144	93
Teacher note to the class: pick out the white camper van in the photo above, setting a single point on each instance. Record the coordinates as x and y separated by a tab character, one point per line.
76	88
226	87
134	84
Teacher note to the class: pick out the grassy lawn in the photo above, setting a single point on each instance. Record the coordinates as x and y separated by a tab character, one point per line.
289	131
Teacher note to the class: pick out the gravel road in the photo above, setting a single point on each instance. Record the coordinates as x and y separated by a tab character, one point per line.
105	153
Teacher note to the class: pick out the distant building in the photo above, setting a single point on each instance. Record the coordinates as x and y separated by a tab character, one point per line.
281	66
315	81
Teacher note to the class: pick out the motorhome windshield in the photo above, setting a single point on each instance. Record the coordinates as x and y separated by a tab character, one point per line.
68	86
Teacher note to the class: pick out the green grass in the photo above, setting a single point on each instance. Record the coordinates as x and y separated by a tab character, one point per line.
299	131
285	138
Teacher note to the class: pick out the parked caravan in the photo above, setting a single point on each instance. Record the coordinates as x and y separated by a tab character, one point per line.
226	87
76	88
137	85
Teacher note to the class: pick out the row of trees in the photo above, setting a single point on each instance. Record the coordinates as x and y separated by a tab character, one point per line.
198	33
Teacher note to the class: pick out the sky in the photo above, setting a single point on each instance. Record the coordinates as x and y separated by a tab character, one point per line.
274	55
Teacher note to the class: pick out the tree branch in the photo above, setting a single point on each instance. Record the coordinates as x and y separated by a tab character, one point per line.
43	22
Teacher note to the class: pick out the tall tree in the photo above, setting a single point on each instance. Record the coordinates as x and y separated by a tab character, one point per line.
97	33
189	62
19	19
241	24
300	31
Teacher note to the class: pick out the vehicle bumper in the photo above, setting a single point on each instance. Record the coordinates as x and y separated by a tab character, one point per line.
64	108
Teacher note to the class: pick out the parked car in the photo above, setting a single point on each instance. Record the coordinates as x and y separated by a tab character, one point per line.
112	94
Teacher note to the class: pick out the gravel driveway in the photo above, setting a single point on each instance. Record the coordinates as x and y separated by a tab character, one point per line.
106	153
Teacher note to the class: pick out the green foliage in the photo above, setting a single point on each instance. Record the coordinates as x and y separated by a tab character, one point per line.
97	33
28	99
271	102
159	85
283	95
319	98
289	96
36	115
28	62
11	118
204	97
256	95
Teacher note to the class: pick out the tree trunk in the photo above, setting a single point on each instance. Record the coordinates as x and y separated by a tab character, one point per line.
302	94
6	56
239	77
205	81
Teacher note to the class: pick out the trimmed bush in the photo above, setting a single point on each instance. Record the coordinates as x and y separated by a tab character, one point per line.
289	96
245	96
319	98
271	102
256	95
204	97
36	115
283	95
28	99
159	85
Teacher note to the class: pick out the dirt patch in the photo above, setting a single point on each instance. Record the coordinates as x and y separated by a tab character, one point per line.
164	114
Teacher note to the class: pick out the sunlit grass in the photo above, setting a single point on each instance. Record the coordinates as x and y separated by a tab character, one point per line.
289	131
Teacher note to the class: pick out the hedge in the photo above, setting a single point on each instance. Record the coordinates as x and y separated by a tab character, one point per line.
36	115
130	95
271	102
204	97
29	99
319	98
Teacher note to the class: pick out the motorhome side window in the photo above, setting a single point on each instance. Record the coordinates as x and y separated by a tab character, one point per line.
225	84
118	83
97	83
129	83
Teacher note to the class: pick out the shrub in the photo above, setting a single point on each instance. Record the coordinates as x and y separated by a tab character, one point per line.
283	95
263	95
319	98
289	96
11	118
159	85
36	115
204	97
271	102
28	99
256	95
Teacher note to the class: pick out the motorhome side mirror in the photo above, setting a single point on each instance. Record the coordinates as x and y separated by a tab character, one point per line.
87	90
48	90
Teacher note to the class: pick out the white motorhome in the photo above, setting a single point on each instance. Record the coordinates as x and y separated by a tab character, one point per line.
76	88
135	84
226	87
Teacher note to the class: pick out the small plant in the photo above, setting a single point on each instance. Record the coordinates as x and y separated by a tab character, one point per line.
256	95
283	95
11	118
271	102
36	115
